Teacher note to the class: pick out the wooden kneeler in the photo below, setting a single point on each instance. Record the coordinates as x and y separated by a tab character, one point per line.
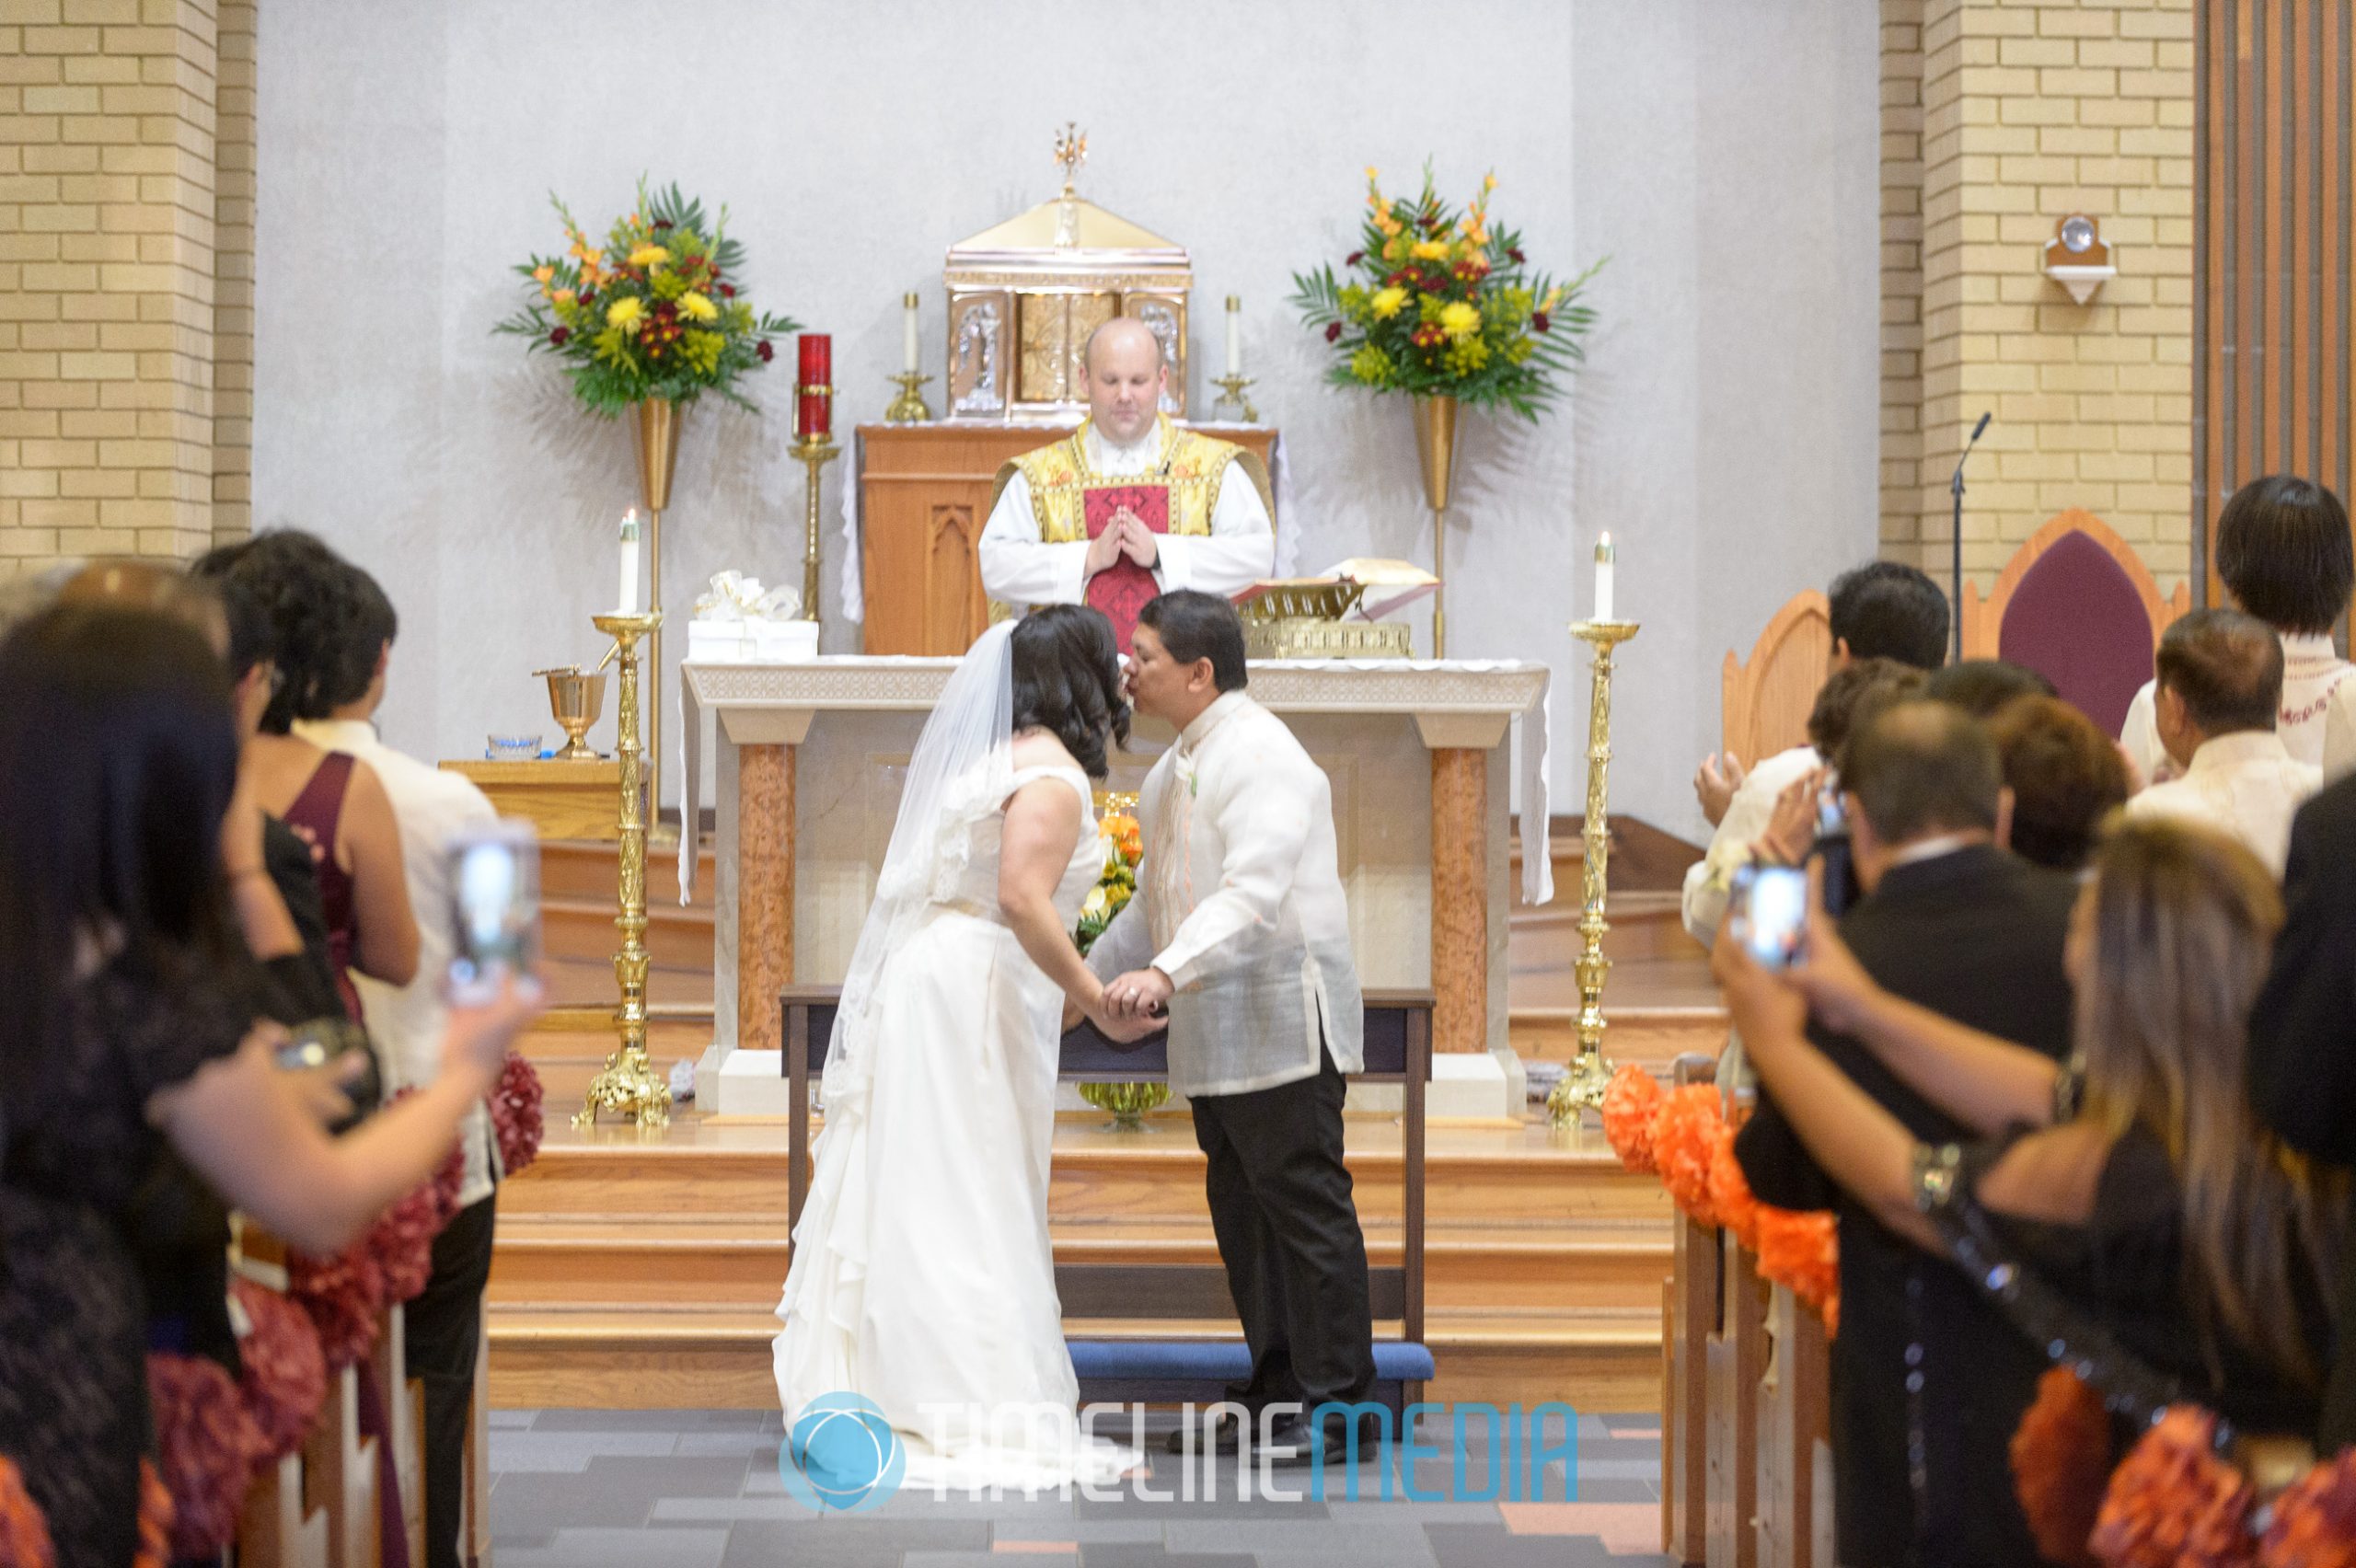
1398	1050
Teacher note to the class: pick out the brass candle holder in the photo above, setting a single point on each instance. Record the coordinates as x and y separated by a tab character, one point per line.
909	407
1231	394
1582	1088
815	452
628	1086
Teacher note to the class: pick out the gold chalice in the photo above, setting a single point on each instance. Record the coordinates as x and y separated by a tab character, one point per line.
576	699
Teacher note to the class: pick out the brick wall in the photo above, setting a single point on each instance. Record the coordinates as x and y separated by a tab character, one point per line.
2031	110
111	243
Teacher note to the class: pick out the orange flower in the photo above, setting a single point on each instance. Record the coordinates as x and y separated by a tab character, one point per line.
1801	1250
1631	1101
2174	1504
1683	1133
154	1519
1730	1190
2061	1462
2315	1519
24	1532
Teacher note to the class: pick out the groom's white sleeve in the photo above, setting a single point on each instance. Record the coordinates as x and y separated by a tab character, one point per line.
1264	826
1126	944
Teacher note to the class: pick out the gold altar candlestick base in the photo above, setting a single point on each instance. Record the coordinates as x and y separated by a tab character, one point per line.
1231	394
1582	1088
909	407
628	1086
815	452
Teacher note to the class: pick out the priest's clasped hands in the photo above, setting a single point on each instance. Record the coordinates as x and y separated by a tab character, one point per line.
1125	535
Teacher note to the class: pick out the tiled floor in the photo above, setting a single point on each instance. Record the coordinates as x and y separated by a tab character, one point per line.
699	1489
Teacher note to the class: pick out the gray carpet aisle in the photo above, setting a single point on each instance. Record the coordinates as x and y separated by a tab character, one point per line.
699	1489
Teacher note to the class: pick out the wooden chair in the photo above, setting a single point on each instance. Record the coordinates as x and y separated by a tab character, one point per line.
1763	703
2078	605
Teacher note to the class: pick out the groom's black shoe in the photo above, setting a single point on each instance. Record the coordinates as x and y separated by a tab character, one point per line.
1295	1443
1224	1439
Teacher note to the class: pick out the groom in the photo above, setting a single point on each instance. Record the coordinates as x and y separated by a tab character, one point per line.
1240	932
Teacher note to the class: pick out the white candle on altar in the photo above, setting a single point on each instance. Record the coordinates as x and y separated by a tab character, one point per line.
1603	578
1234	335
908	332
628	603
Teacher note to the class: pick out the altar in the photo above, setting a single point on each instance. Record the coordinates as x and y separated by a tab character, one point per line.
810	757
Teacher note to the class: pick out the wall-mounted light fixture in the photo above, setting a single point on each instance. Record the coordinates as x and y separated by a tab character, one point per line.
2077	259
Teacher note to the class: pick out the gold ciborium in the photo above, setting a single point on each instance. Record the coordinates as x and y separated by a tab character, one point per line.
576	699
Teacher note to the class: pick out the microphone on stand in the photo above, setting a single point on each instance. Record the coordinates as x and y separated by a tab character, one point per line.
1955	540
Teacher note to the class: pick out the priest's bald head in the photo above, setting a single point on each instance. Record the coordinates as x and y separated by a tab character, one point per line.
1125	378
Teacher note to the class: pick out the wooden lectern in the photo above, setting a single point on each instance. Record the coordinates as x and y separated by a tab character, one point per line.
924	496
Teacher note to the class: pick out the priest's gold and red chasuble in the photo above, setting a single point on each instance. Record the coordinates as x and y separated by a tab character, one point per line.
1176	494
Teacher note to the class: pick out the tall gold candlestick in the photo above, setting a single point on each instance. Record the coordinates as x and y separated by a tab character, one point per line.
628	1086
1582	1088
815	452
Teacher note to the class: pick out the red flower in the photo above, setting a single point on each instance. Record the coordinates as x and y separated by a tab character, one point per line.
727	291
662	223
557	338
1515	252
286	1376
1540	320
1354	258
1333	332
767	353
515	1114
588	296
206	1446
2061	1459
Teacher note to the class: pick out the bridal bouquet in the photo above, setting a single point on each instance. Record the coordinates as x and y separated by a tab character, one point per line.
1436	302
1124	847
655	312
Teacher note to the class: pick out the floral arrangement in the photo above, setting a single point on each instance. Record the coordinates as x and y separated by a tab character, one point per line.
1682	1136
284	1377
207	1445
1439	303
1124	847
652	313
515	1114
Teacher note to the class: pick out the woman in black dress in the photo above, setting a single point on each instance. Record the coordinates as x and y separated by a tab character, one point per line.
129	999
2128	1205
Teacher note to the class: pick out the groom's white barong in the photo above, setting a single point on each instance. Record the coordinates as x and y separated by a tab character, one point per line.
1239	901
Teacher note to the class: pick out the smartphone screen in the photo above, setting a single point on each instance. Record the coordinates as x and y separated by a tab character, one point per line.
1769	907
495	905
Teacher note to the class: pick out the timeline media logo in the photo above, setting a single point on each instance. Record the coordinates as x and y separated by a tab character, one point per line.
841	1455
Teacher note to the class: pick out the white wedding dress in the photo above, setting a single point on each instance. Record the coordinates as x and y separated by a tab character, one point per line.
922	1277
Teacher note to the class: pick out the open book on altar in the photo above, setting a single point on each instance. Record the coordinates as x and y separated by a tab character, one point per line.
1361	588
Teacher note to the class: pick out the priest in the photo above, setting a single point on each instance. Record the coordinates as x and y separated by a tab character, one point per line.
1129	506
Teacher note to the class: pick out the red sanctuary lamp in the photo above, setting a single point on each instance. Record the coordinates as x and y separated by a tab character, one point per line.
813	425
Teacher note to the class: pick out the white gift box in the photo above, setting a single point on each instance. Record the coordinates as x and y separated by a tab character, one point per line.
719	642
776	641
752	642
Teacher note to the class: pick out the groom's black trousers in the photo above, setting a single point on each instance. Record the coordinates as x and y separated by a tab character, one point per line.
1289	1235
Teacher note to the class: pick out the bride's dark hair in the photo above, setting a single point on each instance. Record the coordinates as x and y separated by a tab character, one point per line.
1068	679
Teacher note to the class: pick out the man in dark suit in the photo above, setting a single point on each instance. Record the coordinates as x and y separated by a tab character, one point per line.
2303	1038
1954	921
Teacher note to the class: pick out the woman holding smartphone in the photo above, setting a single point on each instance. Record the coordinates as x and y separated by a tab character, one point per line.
130	997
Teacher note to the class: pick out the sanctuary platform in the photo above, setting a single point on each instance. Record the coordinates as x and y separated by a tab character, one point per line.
641	1270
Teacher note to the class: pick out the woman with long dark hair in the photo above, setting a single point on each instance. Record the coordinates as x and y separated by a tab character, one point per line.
130	1000
923	1280
2131	1211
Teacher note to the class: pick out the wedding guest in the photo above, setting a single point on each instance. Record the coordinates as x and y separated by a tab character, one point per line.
1926	1382
444	1326
2303	1038
334	801
2219	690
1981	687
2066	778
1881	610
2285	555
128	993
2135	1195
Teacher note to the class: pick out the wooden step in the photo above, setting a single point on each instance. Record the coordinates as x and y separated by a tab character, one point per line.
1639	925
690	1357
589	869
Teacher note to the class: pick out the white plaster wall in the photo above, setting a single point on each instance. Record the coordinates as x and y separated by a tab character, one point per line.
1723	152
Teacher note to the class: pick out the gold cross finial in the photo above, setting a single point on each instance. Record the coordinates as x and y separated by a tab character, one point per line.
1072	151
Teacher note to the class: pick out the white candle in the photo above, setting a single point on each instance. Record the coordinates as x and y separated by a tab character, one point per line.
1603	578
1234	335
908	332
628	603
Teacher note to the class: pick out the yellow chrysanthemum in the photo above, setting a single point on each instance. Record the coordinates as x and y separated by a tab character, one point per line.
625	312
700	306
648	256
1431	251
1459	319
1386	303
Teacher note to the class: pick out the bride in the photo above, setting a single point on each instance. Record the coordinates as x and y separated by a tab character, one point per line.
922	1277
